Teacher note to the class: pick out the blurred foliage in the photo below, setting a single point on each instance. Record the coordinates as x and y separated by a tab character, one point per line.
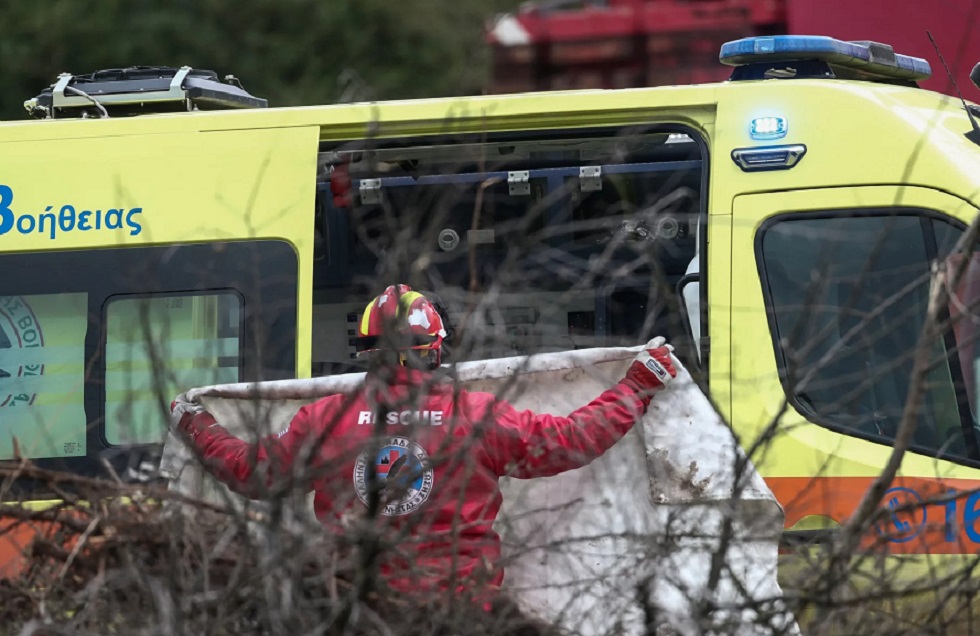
139	559
291	52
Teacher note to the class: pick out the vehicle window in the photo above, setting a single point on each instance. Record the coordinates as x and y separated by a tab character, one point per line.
533	245
42	371
157	347
94	343
847	298
964	314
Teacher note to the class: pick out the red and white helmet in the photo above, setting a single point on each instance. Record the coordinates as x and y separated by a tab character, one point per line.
402	319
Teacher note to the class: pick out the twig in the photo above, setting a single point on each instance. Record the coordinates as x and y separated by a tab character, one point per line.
78	546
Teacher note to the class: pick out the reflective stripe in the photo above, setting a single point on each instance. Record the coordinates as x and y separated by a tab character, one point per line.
385	305
365	326
406	301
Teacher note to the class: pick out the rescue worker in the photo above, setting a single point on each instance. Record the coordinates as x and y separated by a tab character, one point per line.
425	455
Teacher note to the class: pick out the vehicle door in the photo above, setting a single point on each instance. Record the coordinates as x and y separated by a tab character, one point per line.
830	289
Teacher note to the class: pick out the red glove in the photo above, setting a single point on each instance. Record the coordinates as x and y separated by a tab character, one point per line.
653	368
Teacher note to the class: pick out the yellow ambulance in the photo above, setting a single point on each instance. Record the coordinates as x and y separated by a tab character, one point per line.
783	228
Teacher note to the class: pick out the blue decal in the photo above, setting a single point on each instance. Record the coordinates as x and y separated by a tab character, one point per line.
55	221
971	514
6	214
950	523
906	516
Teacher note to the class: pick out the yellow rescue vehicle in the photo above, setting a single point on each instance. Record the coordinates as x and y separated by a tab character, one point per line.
785	225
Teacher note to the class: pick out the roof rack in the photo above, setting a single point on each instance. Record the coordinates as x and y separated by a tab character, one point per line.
799	56
139	90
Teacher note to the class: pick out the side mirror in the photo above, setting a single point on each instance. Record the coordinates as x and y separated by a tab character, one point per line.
975	75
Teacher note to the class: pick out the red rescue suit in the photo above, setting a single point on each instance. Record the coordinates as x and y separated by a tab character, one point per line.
438	464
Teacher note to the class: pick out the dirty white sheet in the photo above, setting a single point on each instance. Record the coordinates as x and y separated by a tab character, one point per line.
594	548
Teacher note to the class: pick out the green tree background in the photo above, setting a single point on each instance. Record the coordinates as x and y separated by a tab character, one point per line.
291	52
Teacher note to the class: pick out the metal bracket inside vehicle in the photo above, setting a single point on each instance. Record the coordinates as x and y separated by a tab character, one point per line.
370	190
519	182
590	178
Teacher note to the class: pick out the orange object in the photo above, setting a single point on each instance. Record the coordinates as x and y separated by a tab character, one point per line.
919	516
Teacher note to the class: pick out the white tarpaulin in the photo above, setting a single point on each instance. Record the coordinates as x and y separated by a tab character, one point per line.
673	518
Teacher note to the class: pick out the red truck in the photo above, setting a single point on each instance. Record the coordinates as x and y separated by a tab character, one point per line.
567	44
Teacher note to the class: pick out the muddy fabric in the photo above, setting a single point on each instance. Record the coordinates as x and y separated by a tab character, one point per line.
428	454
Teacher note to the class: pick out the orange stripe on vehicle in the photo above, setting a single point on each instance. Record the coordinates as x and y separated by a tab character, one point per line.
920	515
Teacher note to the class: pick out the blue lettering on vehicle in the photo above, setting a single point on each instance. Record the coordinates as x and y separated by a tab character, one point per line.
968	517
905	515
55	221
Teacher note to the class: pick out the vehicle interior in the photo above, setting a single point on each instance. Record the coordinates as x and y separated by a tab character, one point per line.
532	243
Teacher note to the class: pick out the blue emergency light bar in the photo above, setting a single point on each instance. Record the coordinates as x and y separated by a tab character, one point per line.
870	59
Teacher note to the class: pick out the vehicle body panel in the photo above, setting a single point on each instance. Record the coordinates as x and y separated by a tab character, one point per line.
237	176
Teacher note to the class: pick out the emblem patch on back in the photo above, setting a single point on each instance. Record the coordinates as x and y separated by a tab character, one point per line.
403	472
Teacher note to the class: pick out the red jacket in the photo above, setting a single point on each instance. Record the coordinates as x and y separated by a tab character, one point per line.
444	450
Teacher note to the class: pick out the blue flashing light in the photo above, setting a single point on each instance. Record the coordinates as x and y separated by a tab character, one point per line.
871	58
768	128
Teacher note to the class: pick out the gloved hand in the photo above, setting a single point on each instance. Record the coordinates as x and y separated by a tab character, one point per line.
183	412
653	368
182	405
